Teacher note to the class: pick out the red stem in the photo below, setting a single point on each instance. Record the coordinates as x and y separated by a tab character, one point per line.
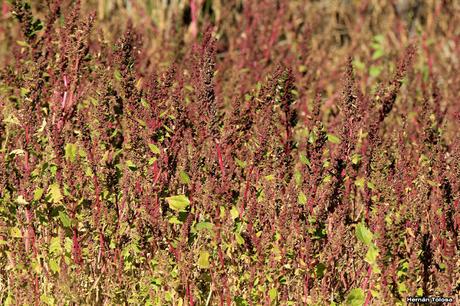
368	296
221	163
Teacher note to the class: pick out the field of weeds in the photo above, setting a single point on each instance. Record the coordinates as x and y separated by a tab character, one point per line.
213	152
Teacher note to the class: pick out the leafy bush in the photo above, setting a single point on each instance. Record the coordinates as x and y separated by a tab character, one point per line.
228	152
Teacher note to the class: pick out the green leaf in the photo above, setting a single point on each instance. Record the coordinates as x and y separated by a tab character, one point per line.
402	288
304	160
240	163
117	75
419	292
71	150
15	232
371	255
38	194
174	220
204	225
302	198
378	54
375	71
55	193
273	294
48	300
184	178
355	159
359	65
297	177
364	234
319	270
9	300
54	266
222	212
24	91
239	239
64	219
359	182
55	246
131	165
380	39
334	139
203	260
355	297
234	213
154	148
178	202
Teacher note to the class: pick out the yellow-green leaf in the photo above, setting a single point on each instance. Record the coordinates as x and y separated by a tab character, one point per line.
131	165
178	202
184	178
54	266
302	198
371	255
304	160
64	219
360	182
71	150
38	194
204	225
55	246
55	193
364	234
117	75
356	297
239	239
15	232
234	213
203	260
154	148
355	159
273	293
332	138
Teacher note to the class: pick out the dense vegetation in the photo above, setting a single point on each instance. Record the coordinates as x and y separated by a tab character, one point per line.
212	152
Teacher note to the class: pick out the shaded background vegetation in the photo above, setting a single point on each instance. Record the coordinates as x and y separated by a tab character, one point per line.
229	152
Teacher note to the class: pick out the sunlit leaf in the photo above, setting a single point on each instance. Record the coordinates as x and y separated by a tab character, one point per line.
178	202
273	294
184	178
372	254
364	234
204	225
234	212
55	193
21	201
64	219
15	232
71	150
203	260
54	266
38	194
302	198
332	138
154	148
355	297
